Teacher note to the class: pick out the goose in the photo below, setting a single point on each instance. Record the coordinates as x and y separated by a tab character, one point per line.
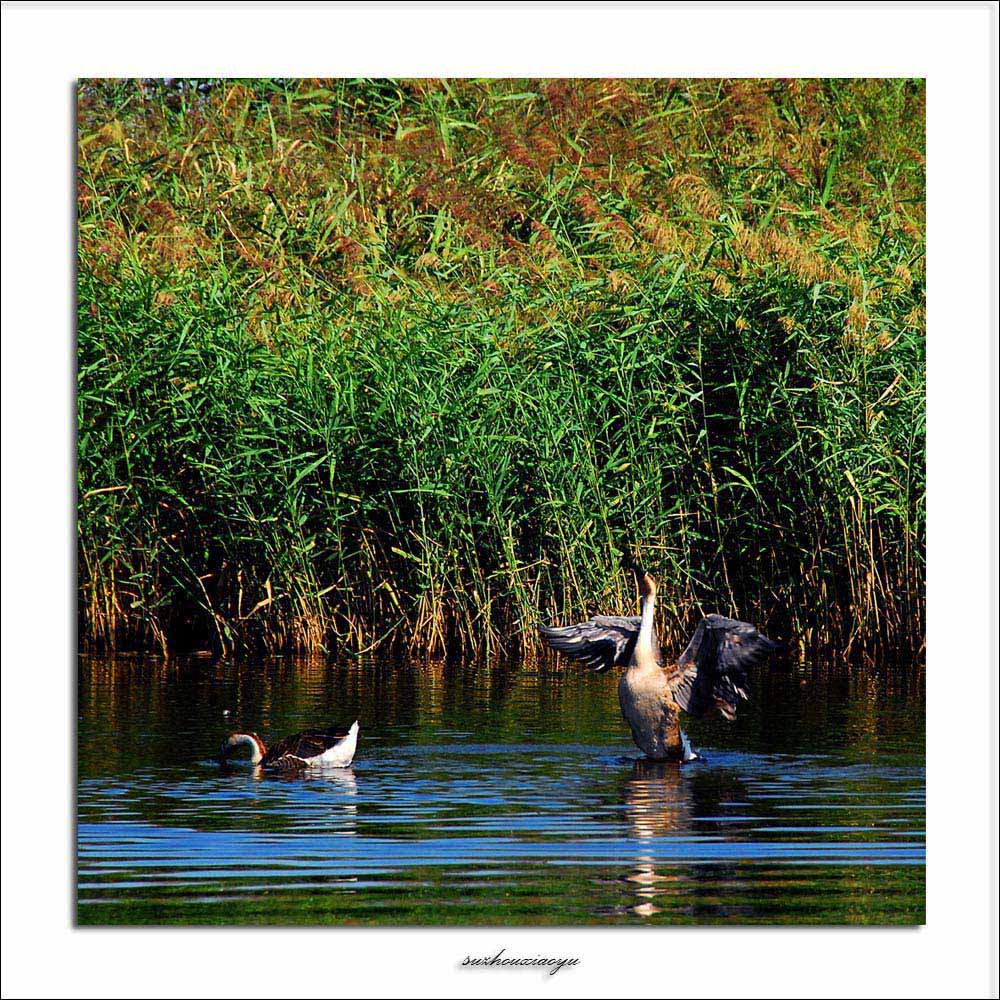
709	674
333	747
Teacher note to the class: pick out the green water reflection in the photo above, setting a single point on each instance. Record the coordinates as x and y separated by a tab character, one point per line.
495	795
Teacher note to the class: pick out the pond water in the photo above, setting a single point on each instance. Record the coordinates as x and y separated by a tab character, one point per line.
507	794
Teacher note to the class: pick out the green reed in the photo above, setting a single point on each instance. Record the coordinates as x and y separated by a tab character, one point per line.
367	362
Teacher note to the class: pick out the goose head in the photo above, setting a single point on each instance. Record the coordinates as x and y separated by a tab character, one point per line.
234	741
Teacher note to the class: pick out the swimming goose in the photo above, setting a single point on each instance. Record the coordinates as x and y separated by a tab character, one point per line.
332	747
709	674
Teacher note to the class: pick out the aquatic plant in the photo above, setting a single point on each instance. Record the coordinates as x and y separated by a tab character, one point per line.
366	362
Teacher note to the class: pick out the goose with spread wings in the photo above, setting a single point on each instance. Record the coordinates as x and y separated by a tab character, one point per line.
710	673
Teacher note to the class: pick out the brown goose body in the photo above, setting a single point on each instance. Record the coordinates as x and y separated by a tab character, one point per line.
332	747
709	674
651	713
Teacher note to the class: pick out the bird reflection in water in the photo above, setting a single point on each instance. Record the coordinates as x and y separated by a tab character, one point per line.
688	805
657	804
337	785
341	779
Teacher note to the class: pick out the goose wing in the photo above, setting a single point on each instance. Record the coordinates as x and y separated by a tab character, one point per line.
711	672
603	642
302	747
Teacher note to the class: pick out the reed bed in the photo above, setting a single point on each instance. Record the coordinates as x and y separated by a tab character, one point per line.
407	363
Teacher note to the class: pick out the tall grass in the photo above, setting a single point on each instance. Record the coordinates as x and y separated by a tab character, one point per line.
372	362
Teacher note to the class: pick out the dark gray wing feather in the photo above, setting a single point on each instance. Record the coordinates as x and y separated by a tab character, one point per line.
302	746
604	642
711	672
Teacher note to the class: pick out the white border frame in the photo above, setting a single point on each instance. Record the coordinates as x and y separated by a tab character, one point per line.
45	47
